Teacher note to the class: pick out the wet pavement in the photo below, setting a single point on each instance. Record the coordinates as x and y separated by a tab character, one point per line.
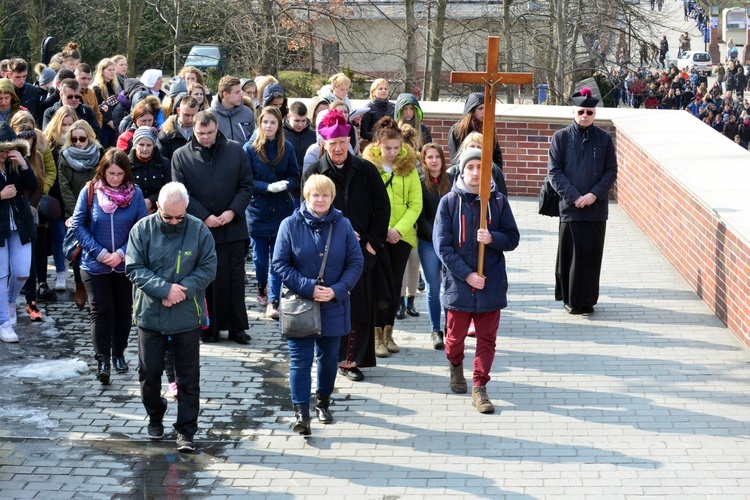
648	396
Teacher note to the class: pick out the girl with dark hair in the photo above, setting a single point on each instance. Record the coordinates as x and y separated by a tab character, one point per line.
472	121
275	176
396	162
102	231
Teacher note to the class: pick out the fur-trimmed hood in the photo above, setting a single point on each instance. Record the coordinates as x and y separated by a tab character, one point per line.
406	161
19	145
170	125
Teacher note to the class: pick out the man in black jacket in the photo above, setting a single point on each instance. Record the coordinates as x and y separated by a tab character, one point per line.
582	169
30	96
297	131
362	197
70	95
218	176
178	129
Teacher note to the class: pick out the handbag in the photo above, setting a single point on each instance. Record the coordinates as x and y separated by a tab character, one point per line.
300	316
549	200
71	247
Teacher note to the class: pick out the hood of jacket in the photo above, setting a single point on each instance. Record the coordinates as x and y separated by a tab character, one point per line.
402	100
473	102
406	161
271	92
170	126
7	86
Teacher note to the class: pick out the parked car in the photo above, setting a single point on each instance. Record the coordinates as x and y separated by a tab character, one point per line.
208	57
701	61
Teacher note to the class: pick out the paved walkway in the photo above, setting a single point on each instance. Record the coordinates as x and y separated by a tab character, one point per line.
649	396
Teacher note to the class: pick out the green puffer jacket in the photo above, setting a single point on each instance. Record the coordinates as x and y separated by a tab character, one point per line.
160	254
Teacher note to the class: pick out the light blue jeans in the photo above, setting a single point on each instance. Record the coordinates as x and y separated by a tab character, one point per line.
432	268
15	261
262	255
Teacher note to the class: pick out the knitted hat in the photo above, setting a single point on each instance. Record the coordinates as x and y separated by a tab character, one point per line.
143	133
177	86
333	126
150	76
468	154
46	76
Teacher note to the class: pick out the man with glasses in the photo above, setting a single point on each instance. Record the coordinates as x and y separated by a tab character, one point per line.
171	261
582	169
70	95
217	174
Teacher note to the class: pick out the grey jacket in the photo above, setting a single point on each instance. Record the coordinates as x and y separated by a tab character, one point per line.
160	254
237	124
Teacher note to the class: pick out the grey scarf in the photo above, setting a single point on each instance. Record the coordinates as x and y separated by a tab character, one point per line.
82	159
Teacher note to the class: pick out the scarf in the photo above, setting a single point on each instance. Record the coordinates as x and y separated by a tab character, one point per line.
82	159
110	198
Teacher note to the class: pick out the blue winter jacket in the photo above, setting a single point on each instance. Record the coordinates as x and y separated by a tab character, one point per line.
99	232
266	209
298	255
454	236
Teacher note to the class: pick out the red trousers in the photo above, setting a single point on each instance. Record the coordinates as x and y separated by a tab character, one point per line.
486	326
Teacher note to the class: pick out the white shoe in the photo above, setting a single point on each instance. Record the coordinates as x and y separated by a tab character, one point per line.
62	279
12	316
7	334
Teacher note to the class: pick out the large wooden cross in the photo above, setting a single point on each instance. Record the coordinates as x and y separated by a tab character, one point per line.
491	78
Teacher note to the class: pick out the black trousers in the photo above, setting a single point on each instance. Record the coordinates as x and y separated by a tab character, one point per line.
151	349
226	295
580	249
38	272
111	304
398	255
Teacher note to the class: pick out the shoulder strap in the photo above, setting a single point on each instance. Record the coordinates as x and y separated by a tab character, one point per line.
389	181
325	255
451	202
90	200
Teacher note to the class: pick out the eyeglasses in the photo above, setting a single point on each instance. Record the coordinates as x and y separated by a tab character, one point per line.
171	217
74	96
25	134
74	139
587	111
116	175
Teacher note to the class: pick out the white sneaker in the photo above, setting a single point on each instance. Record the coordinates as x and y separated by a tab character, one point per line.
62	279
7	334
12	316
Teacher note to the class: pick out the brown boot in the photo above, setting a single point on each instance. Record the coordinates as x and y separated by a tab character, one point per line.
380	350
388	339
80	298
458	382
480	401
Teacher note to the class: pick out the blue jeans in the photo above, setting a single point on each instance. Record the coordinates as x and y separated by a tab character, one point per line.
57	234
262	255
432	268
15	261
326	351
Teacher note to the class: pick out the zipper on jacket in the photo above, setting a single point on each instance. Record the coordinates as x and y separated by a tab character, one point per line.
112	233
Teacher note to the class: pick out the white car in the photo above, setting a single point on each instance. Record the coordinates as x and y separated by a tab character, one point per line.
701	61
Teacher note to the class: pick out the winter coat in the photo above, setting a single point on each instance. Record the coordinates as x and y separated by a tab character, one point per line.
378	109
106	116
580	162
170	137
236	124
430	201
405	99
72	181
361	197
6	86
455	241
82	111
150	175
218	178
404	189
24	180
160	254
89	99
31	98
454	142
298	255
300	140
100	233
267	209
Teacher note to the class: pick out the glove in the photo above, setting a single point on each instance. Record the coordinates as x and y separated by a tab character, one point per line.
277	187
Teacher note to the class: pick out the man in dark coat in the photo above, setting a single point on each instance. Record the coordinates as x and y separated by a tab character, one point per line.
31	97
218	177
178	129
363	199
70	95
582	169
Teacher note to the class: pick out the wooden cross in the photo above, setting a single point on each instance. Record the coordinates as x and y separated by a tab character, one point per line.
491	78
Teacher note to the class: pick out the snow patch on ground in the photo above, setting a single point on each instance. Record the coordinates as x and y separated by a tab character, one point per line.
35	416
58	369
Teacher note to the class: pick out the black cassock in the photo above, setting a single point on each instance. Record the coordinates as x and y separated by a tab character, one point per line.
579	261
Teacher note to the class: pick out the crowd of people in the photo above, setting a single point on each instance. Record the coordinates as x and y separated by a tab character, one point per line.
156	195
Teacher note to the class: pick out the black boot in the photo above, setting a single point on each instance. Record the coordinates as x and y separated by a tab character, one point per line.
302	425
410	310
324	401
401	310
120	365
102	369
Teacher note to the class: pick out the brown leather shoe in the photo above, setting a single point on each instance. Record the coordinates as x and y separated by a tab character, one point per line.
80	298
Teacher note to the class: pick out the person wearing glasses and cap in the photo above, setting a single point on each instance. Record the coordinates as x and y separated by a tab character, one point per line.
582	169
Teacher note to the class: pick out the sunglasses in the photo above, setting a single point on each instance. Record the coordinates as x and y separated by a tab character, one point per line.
25	134
587	111
74	96
75	139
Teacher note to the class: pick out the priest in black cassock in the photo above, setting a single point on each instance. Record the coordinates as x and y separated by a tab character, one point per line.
582	169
